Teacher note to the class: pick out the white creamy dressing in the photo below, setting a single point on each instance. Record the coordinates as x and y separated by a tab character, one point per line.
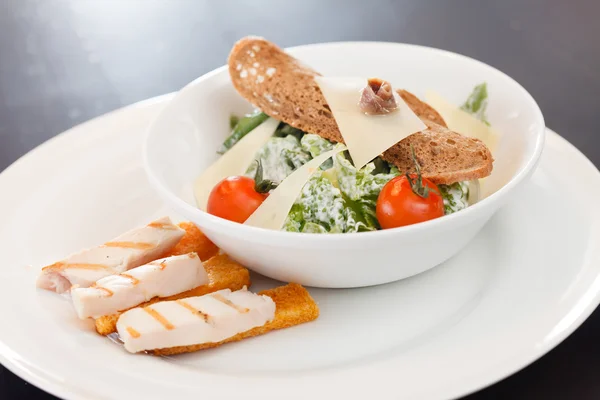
210	318
315	144
358	184
276	155
455	196
322	202
161	278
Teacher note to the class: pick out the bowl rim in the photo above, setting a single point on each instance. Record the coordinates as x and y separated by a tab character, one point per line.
306	238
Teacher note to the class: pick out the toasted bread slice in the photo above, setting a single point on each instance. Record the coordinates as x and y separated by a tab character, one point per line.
422	109
284	88
223	273
194	241
440	151
293	306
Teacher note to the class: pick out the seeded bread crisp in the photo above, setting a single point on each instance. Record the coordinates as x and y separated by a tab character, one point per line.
422	109
284	88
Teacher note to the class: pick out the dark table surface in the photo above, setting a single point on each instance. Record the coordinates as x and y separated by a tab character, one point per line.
63	62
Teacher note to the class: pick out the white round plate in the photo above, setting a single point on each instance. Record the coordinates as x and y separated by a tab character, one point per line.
513	294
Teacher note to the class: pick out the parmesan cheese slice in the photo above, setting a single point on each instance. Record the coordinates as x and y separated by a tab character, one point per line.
234	162
464	123
367	136
461	121
271	214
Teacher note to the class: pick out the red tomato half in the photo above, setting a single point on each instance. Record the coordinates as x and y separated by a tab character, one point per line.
234	198
398	205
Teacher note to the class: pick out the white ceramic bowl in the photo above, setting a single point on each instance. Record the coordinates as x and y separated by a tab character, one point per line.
183	140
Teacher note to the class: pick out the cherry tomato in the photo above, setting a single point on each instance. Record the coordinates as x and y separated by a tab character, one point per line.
399	205
234	198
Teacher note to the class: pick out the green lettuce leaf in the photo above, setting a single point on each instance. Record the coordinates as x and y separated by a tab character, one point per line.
361	189
241	128
279	157
477	102
455	196
340	199
315	145
319	203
